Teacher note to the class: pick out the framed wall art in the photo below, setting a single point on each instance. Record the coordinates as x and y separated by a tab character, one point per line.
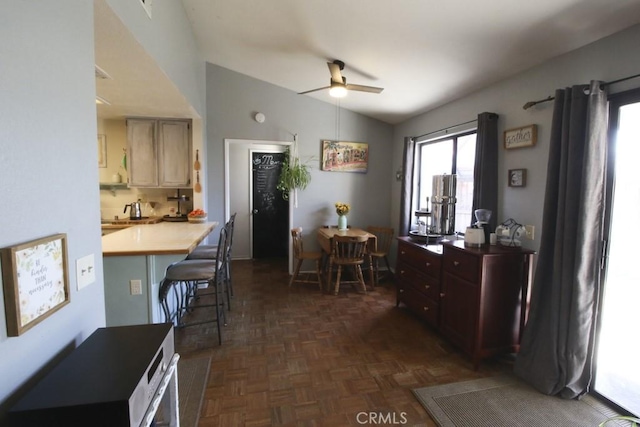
517	177
525	136
102	151
35	280
345	156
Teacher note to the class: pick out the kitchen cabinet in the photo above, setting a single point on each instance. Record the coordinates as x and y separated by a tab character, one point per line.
477	298
159	153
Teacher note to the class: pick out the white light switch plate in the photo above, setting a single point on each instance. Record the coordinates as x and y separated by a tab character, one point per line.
85	271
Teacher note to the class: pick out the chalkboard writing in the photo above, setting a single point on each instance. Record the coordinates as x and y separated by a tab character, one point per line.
270	209
266	168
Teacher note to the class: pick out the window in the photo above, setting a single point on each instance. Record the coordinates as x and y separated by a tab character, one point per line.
448	155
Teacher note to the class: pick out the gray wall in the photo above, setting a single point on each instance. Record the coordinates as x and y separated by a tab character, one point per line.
608	59
48	166
48	154
169	40
232	101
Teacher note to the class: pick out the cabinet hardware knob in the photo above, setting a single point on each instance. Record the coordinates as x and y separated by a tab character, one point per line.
456	263
428	264
401	272
442	294
427	286
401	290
402	252
425	308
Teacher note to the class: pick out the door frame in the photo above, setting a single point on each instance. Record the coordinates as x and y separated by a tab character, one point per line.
256	145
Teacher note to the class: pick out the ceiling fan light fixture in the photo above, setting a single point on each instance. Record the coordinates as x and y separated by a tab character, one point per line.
338	90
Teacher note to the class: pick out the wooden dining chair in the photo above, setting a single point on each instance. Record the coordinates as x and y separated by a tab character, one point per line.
349	251
384	238
299	255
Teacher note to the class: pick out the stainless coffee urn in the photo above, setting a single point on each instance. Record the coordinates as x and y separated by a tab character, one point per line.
443	204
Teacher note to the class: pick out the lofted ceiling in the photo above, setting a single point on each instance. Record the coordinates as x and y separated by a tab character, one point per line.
424	53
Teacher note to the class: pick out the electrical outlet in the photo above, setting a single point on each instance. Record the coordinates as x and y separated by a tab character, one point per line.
529	231
85	271
136	287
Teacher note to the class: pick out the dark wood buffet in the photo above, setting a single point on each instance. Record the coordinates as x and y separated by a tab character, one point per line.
472	296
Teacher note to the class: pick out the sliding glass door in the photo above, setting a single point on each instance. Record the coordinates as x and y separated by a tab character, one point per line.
617	373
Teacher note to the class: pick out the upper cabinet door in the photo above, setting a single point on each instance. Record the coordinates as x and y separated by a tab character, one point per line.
142	153
174	154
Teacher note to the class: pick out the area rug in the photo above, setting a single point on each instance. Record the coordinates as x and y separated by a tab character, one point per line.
192	380
506	401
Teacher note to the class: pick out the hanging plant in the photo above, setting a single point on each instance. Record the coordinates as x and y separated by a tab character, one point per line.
295	175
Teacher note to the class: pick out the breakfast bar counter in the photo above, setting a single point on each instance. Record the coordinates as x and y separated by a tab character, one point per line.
165	238
135	260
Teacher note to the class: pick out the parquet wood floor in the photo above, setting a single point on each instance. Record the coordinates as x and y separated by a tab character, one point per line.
296	357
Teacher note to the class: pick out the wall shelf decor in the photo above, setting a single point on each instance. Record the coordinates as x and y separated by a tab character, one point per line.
345	156
525	136
35	280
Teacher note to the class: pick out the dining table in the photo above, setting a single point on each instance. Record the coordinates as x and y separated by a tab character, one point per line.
325	240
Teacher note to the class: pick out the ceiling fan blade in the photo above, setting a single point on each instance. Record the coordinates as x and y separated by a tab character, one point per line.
336	75
314	90
361	88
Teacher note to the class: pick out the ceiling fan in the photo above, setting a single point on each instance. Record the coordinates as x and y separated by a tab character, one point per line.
338	86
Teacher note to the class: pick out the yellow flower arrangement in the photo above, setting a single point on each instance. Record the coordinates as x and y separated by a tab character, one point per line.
342	208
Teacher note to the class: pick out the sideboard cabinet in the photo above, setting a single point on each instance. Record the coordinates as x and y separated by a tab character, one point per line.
475	297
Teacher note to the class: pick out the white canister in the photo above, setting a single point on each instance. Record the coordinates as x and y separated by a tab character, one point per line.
116	178
493	239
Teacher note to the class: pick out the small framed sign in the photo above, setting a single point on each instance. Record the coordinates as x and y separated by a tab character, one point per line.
525	136
517	177
35	280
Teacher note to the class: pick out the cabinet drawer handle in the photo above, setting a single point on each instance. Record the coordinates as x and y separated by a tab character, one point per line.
425	308
442	294
427	286
456	263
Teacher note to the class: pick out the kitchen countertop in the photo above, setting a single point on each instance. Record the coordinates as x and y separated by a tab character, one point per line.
164	238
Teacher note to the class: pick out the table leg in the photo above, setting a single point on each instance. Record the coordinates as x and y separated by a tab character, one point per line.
373	285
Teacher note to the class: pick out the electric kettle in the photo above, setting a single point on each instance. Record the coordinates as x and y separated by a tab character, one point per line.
135	211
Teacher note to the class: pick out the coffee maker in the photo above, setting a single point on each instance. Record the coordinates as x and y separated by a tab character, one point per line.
482	221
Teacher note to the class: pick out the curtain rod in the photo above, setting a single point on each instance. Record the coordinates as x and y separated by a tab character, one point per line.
445	129
602	86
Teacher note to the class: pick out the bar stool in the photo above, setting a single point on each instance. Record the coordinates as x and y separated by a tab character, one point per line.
210	252
183	278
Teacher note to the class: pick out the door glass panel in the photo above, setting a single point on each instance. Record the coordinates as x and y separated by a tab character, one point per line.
618	367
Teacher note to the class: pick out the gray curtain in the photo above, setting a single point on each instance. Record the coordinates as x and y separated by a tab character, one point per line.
485	173
407	186
556	352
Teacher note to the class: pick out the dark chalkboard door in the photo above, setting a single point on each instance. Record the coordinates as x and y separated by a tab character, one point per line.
270	210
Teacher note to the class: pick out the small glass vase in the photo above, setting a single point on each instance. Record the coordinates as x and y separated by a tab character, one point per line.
342	222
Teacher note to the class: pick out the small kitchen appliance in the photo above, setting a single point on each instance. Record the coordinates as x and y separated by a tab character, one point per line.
478	234
483	216
136	210
474	236
443	204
